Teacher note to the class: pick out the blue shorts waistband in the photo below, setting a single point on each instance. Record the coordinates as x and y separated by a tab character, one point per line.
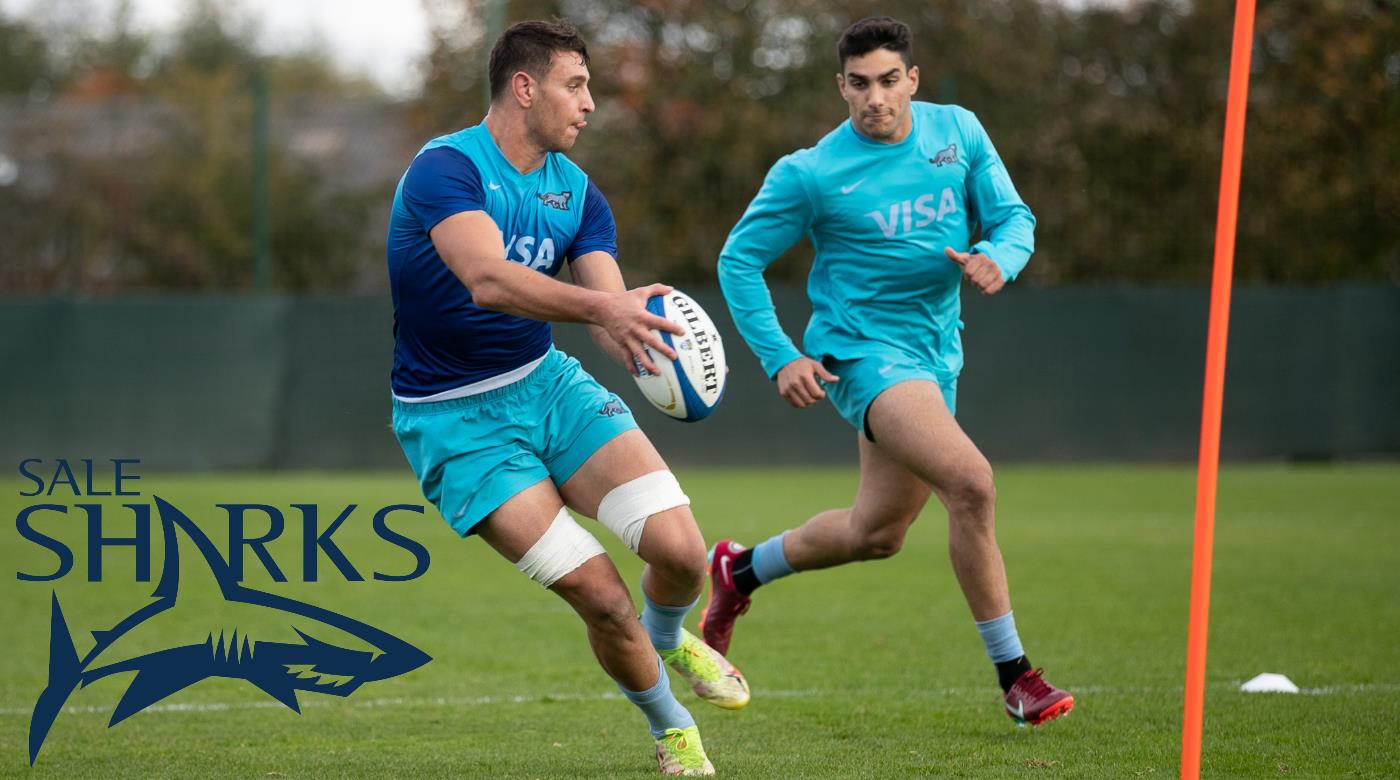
552	359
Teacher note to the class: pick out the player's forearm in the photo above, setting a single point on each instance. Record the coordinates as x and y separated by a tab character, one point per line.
775	220
751	305
1011	242
514	289
1008	226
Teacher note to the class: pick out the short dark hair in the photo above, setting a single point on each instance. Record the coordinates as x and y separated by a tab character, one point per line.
876	32
530	46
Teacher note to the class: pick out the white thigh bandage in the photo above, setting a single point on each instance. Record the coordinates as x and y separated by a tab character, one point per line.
625	510
563	548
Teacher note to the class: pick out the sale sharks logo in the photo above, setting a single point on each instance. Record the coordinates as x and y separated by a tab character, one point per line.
279	669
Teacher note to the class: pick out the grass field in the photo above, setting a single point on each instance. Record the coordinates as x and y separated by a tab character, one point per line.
872	670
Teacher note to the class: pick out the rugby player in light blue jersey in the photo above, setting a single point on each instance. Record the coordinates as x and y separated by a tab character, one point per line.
503	430
890	200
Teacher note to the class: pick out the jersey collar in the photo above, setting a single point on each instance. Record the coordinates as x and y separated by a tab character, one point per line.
507	167
908	139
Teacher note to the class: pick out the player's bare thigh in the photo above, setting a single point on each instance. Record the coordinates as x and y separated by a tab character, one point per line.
515	526
913	427
667	534
888	500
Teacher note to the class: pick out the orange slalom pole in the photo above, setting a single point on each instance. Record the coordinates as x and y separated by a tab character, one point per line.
1216	335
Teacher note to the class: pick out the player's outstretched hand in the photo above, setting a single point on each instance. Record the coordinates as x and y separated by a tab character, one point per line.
798	385
625	317
978	269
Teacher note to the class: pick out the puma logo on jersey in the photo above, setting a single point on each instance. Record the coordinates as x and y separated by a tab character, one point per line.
899	217
946	156
555	200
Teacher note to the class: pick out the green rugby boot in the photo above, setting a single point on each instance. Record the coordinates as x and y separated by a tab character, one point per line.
710	675
680	753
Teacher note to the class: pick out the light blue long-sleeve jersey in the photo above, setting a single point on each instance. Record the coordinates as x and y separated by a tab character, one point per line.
879	216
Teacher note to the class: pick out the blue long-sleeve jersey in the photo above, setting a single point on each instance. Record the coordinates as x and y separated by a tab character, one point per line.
879	216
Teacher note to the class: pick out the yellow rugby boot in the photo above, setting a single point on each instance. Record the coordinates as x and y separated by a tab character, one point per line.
710	675
680	753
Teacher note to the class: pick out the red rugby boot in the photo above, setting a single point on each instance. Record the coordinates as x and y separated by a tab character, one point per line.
1033	700
726	603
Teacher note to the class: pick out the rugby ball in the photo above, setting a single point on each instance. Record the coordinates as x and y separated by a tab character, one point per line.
691	386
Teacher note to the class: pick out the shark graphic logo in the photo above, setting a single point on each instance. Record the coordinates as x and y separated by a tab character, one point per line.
555	200
947	156
279	669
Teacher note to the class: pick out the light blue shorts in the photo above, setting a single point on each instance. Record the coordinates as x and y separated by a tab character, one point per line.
473	454
864	378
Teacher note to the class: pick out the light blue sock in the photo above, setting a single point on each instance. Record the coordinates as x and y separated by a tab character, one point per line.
769	562
660	705
663	622
999	635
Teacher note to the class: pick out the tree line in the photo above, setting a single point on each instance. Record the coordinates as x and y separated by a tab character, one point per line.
1109	119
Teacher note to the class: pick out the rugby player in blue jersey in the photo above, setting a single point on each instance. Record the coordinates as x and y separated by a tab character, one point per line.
503	430
890	200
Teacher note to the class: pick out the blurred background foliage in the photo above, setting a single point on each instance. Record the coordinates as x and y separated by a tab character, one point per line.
125	157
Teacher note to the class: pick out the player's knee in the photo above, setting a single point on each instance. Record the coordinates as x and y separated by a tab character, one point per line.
973	491
606	608
616	614
626	509
883	543
563	548
682	563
